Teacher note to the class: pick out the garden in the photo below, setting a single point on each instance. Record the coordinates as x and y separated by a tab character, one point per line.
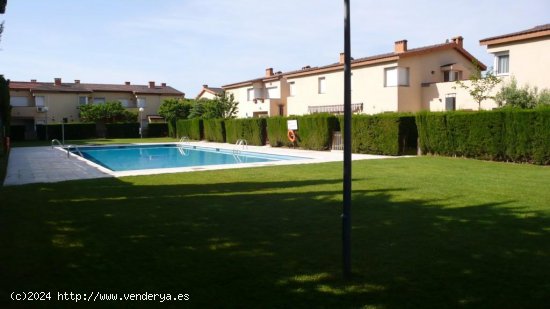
427	232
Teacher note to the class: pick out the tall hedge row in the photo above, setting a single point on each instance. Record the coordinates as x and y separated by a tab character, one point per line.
214	130
504	135
315	131
253	130
277	131
157	130
72	131
192	128
122	130
386	134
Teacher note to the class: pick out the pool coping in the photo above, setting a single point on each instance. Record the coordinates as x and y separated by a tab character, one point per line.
44	164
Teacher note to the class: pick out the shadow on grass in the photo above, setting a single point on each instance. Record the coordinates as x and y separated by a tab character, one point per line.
272	244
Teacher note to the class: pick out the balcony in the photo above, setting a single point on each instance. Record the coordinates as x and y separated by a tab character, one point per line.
24	111
334	109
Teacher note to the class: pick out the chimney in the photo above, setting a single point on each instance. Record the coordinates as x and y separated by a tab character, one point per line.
33	80
57	81
400	46
152	84
163	85
458	40
342	58
268	72
127	83
77	81
204	86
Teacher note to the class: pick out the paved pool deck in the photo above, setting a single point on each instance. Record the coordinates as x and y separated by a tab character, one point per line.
46	164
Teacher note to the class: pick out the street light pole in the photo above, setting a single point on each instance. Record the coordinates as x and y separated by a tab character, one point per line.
140	123
346	213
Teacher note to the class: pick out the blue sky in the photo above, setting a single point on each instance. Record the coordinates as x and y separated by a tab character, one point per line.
188	43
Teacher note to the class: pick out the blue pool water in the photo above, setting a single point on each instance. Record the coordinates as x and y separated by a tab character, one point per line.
140	157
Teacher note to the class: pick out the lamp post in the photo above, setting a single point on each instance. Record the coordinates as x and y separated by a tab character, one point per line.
45	109
140	123
346	209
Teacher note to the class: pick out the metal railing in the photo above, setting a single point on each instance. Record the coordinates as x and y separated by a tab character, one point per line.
334	109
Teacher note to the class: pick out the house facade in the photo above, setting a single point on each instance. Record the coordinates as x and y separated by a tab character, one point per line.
524	55
209	93
261	97
42	103
391	82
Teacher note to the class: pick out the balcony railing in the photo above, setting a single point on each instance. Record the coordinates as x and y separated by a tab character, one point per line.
334	109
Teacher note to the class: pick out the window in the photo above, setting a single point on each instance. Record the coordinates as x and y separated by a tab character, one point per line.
396	76
39	101
82	100
273	93
451	76
322	85
281	110
19	101
99	100
502	63
292	89
141	102
250	94
124	102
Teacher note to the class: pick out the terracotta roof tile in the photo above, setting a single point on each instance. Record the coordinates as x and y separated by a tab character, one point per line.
81	87
366	61
539	28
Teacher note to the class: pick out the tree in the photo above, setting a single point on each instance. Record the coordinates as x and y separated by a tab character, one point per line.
197	109
174	109
526	97
108	112
222	106
479	86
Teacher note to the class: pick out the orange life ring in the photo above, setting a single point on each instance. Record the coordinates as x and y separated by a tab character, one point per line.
291	136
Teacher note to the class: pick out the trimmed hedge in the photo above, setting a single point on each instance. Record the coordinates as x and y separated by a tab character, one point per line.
315	131
122	130
192	128
277	131
214	130
385	134
503	135
72	131
253	130
157	130
17	132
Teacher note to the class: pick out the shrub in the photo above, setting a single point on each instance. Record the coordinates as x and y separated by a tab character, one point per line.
72	131
17	132
315	131
386	134
157	130
122	130
504	135
192	128
214	130
253	130
277	131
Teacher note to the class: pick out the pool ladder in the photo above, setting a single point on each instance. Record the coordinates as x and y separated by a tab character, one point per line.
240	142
184	140
67	148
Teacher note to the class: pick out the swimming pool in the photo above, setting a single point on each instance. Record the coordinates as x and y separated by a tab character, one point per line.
158	156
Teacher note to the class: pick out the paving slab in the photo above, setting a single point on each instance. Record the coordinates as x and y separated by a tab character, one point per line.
47	164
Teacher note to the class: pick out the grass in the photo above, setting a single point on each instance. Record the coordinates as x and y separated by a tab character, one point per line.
427	233
97	141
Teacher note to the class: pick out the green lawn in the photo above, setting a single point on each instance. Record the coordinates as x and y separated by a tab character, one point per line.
427	233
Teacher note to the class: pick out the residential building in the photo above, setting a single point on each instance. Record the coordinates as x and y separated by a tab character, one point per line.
209	92
261	97
391	82
524	55
41	103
